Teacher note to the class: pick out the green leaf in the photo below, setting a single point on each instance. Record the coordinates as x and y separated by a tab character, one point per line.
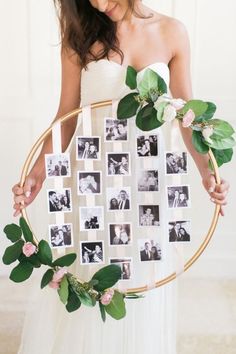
63	291
198	107
116	308
147	122
199	142
32	259
131	78
127	106
107	277
47	277
102	311
148	82
21	272
162	87
211	109
73	302
13	252
65	261
44	253
222	129
222	156
85	298
13	232
222	144
28	236
160	111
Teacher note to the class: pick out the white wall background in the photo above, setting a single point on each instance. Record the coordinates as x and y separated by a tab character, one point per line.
30	86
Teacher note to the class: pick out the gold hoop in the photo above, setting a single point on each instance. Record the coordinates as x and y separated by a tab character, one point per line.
203	245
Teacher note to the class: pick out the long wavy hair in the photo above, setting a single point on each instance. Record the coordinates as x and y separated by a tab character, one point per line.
82	25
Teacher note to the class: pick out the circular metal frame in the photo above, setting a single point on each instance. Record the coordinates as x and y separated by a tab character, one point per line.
214	220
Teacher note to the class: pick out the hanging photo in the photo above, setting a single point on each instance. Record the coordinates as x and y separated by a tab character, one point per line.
176	163
91	218
91	252
60	235
118	199
115	129
147	145
118	164
148	181
149	250
178	196
179	231
125	265
120	234
59	200
57	165
87	148
89	183
149	215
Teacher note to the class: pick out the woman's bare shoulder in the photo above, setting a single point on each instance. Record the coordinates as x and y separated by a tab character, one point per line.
169	26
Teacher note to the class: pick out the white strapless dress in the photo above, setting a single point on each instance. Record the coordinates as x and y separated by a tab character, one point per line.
149	326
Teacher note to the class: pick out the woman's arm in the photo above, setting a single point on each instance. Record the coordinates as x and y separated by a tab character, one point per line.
180	86
69	100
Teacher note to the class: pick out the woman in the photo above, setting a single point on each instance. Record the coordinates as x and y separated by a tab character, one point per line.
100	38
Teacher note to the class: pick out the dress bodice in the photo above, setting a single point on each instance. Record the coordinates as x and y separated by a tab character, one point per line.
105	80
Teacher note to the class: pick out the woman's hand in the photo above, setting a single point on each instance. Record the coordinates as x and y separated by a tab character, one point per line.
217	192
23	196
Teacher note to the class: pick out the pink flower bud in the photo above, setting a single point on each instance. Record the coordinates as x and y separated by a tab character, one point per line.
54	285
28	249
177	103
107	297
188	118
57	277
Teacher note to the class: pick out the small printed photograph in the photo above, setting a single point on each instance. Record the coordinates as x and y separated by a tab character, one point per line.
118	164
149	215
149	250
147	145
57	165
120	234
61	235
125	265
91	218
119	199
115	129
179	231
87	148
89	183
176	163
148	181
91	252
178	196
59	200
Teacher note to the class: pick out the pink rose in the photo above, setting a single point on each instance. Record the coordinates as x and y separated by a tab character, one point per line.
107	297
28	249
169	113
57	277
188	118
54	285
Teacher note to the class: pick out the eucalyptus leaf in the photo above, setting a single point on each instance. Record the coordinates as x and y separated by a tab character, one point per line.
34	260
131	78
65	261
199	142
197	106
63	291
21	272
13	252
148	82
44	253
47	277
211	109
222	156
102	311
27	233
162	87
107	277
116	308
160	111
73	302
127	106
222	129
13	232
147	122
85	298
222	144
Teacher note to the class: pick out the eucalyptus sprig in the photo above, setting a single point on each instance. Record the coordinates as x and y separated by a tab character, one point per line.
152	107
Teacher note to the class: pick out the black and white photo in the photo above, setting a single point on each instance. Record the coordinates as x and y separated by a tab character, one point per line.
61	235
91	218
148	181
57	165
87	148
89	183
125	265
149	250
91	252
118	199
118	164
120	234
59	200
147	145
178	196
179	231
176	163
149	215
115	129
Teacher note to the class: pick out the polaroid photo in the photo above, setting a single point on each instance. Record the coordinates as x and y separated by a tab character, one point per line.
89	183
88	148
118	164
148	215
176	163
119	234
149	250
148	181
147	145
125	265
178	196
61	235
91	252
179	231
118	198
91	218
59	200
57	165
115	129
